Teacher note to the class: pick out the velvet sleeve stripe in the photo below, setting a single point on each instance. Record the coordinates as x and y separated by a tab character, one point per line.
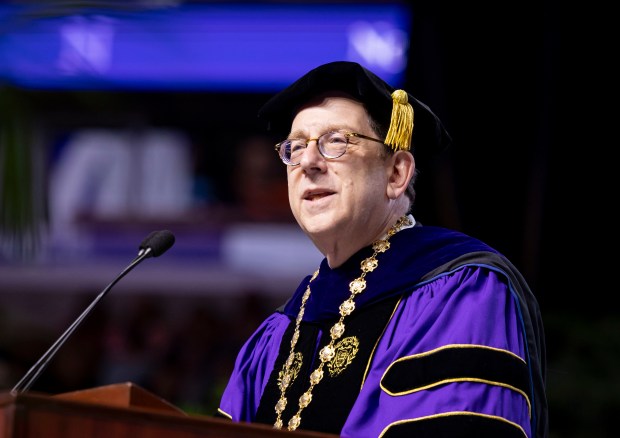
455	425
456	363
533	329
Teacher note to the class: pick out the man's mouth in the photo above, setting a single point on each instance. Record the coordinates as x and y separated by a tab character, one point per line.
313	196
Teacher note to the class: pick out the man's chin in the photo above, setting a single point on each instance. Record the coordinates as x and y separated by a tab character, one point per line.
318	225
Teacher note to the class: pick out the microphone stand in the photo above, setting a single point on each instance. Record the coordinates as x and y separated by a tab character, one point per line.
33	373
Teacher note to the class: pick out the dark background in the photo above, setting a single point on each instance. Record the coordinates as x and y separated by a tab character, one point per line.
517	84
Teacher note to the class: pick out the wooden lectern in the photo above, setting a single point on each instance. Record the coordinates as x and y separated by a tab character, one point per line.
122	410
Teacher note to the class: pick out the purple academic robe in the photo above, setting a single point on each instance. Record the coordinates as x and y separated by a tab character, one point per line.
446	340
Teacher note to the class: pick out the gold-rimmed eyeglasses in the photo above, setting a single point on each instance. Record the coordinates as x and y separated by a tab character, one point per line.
331	145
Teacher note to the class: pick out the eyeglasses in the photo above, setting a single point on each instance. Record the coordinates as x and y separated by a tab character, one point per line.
331	145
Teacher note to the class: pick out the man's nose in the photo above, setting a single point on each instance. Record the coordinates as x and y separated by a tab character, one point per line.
311	155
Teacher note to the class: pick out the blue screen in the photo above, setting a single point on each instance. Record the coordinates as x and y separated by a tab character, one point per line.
212	46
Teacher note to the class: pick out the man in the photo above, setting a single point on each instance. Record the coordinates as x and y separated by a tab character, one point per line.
404	329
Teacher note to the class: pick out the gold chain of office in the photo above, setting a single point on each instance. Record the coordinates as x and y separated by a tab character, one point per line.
328	352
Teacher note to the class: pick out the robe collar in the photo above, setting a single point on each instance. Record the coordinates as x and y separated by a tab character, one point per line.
413	253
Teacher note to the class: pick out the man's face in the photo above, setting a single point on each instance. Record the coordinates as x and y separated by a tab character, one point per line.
343	198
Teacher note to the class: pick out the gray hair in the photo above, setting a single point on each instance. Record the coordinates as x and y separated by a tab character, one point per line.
381	132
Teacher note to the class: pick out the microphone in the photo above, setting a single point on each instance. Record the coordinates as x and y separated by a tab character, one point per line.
154	245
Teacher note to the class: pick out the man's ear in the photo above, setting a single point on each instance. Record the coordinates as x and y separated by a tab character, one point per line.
402	167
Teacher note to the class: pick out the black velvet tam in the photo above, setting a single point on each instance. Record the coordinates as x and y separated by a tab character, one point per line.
429	135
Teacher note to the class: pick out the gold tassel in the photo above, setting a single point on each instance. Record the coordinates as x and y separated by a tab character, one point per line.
401	123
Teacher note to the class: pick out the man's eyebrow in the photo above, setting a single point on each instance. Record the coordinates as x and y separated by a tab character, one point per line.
296	134
300	134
